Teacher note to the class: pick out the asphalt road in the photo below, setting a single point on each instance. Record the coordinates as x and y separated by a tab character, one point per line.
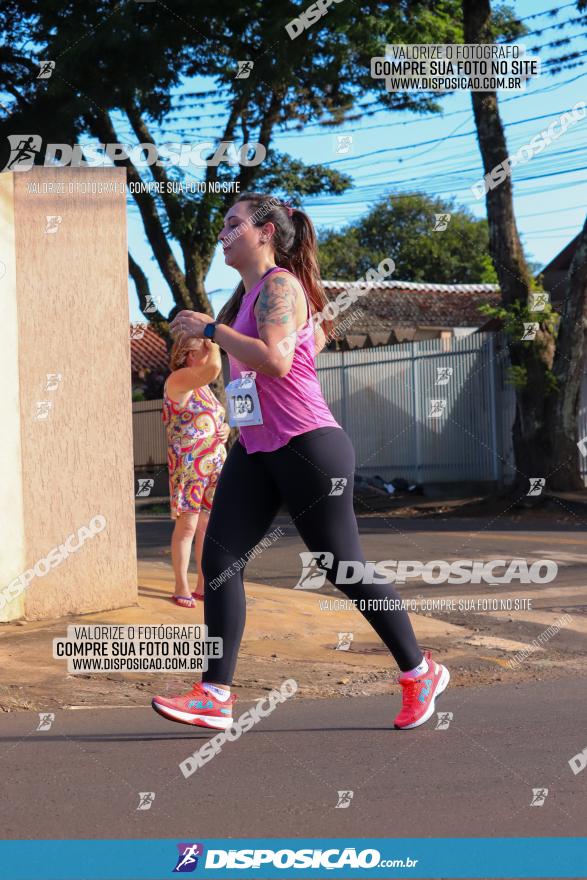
82	777
415	539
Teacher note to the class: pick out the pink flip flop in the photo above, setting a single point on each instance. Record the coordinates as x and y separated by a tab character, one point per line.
197	597
183	601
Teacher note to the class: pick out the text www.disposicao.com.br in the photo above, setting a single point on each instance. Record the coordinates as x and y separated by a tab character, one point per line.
135	664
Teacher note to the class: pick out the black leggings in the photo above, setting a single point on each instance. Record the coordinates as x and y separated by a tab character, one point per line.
247	498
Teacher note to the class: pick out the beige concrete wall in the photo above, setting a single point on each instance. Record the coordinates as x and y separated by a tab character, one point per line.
12	543
76	454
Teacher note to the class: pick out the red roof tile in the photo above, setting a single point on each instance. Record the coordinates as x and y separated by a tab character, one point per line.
147	349
389	304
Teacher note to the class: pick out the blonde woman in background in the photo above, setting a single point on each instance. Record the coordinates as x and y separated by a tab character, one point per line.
196	434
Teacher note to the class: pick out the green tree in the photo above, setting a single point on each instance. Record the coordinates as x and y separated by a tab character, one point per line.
402	227
118	64
548	370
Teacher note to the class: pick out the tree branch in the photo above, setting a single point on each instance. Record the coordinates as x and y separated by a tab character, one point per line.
265	131
143	291
170	200
102	127
198	253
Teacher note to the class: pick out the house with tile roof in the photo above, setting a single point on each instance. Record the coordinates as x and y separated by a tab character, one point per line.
388	312
149	360
391	312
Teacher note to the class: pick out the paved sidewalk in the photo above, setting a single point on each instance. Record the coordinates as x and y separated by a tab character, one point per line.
286	630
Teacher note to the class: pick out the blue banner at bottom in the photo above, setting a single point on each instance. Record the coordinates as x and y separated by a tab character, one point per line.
266	858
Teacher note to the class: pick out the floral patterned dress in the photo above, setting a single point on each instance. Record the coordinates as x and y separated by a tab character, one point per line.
195	452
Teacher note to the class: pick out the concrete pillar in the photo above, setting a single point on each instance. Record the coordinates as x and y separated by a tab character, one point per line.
66	458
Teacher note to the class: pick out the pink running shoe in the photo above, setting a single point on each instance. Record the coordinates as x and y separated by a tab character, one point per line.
420	693
196	707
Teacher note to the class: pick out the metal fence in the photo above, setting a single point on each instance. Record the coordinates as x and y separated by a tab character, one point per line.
426	411
148	431
430	411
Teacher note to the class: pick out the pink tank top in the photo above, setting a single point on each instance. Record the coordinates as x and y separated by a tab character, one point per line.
292	404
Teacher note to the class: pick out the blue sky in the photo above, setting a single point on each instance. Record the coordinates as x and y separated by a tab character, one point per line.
396	152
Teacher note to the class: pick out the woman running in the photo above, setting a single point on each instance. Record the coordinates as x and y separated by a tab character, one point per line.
196	434
290	449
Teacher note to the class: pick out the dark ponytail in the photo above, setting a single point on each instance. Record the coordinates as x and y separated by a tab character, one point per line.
295	247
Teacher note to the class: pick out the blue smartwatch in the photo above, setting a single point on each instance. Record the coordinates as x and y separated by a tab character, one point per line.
210	330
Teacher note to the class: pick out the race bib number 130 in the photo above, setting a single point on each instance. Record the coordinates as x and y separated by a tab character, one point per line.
243	401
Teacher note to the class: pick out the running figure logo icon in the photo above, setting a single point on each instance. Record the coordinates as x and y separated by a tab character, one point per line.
23	149
46	68
443	375
444	719
46	719
53	380
338	484
343	144
53	222
315	567
538	301
146	799
344	799
43	409
188	857
530	331
344	641
151	304
437	408
539	795
145	486
536	485
441	222
244	69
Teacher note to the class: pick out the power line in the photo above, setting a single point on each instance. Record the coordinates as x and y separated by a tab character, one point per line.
437	140
553	11
371	192
364	108
551	27
474	170
429	118
554	229
557	211
556	63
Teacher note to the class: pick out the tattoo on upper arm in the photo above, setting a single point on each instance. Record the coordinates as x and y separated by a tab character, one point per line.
276	303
